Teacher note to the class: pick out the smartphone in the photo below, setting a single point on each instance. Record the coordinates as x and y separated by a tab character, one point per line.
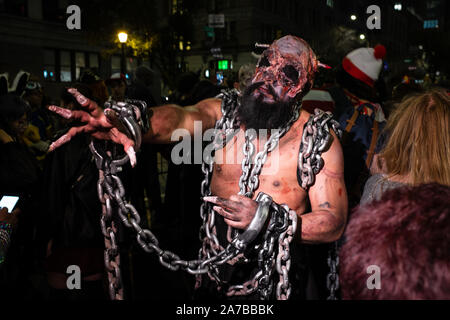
219	77
9	202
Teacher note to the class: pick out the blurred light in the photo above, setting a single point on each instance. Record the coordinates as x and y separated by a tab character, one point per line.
180	45
45	74
353	17
219	77
362	36
430	24
123	36
438	73
421	47
51	73
222	65
398	7
127	76
207	73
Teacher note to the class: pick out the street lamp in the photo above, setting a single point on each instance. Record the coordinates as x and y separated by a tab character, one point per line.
398	6
123	37
353	17
362	36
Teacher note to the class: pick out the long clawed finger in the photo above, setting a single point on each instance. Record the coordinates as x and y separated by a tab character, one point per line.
82	100
70	114
132	155
128	144
66	137
227	204
227	215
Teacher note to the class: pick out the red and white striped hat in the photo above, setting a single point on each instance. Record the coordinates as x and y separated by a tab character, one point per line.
365	64
317	98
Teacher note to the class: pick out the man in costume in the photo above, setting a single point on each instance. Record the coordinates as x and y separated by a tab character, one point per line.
300	159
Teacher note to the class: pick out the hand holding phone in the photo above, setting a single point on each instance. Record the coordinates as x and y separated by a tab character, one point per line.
9	202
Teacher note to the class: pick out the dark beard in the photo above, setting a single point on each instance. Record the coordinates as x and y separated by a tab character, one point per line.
256	114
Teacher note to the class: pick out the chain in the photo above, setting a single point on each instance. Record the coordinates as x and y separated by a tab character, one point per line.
224	127
333	275
316	138
111	253
249	180
248	183
111	191
282	224
283	259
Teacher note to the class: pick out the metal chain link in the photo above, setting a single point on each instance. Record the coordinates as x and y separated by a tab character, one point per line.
333	275
111	253
248	183
316	139
145	238
281	226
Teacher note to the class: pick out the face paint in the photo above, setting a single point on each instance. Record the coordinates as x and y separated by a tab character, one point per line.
287	67
284	73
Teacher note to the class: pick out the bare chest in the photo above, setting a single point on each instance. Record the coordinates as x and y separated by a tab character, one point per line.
278	176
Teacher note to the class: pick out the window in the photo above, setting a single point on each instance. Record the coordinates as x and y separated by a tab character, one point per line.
80	64
115	64
66	67
49	71
430	24
93	62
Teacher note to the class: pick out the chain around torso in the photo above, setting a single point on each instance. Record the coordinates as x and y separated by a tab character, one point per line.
278	175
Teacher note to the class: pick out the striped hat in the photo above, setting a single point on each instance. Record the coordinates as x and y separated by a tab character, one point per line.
365	64
317	98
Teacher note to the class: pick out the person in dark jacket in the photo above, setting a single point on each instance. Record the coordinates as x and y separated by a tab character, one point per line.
19	175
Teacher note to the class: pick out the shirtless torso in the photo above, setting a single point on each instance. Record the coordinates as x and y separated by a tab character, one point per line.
278	176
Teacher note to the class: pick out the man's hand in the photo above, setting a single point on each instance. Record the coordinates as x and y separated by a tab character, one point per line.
238	211
10	218
99	125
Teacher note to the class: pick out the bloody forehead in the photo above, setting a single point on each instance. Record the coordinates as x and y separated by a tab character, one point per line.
290	45
294	49
289	59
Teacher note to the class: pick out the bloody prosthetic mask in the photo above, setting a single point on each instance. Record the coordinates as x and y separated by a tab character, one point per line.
283	75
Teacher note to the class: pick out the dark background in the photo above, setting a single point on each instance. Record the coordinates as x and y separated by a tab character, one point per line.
174	36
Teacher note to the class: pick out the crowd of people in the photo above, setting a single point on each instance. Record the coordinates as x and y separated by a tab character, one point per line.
396	151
